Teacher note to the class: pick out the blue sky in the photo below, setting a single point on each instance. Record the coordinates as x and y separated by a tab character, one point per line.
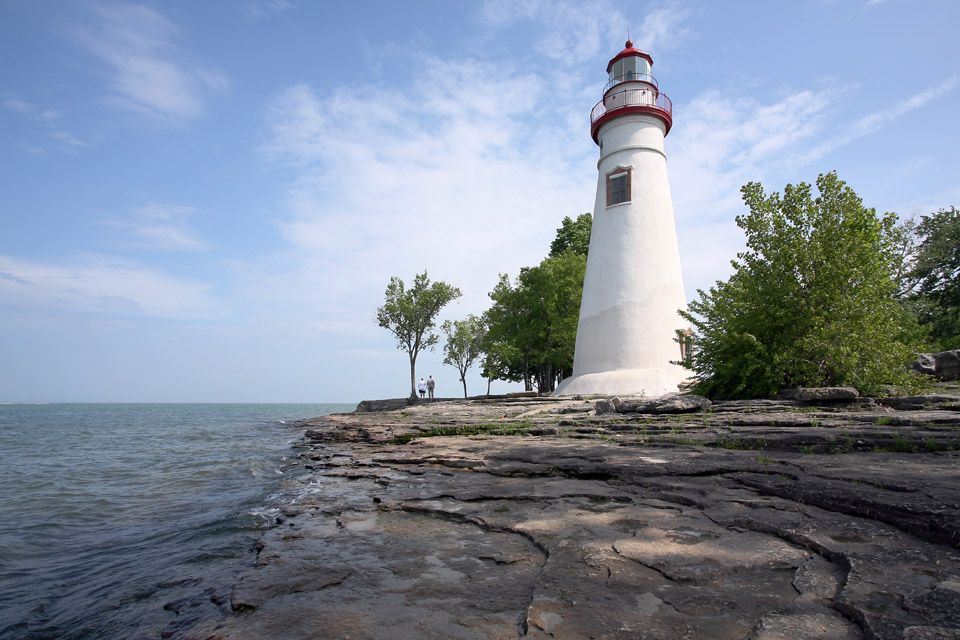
204	201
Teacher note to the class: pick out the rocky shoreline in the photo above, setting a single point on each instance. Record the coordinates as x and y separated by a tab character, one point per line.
561	518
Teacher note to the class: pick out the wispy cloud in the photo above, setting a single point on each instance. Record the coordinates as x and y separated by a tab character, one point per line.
573	32
66	140
149	71
873	122
45	120
391	181
726	142
160	227
101	284
662	30
259	9
24	107
459	173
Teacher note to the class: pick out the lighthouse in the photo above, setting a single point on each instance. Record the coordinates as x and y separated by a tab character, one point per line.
633	288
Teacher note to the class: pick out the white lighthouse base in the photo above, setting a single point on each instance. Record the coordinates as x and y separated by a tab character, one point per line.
622	382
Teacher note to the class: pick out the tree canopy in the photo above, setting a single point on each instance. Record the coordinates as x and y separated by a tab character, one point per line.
934	280
533	321
573	235
410	315
811	301
464	344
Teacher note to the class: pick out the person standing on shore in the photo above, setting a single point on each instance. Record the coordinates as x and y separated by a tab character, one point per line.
431	385
422	388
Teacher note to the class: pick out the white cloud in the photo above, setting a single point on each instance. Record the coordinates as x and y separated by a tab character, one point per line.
873	122
661	30
725	142
27	108
150	73
67	141
160	227
21	106
259	9
102	284
574	32
453	175
467	173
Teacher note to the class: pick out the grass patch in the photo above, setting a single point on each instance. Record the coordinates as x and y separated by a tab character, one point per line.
740	445
900	445
490	429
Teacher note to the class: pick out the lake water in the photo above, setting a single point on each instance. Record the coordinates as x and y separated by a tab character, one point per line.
133	520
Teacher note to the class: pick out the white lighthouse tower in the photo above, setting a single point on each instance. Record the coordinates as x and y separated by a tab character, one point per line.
633	287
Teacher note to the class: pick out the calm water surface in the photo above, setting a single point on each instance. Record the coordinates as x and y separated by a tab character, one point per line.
133	520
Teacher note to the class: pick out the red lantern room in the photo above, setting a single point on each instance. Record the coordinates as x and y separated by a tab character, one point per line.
631	89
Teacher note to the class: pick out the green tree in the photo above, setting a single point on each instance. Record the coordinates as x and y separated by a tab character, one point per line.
495	364
505	346
464	344
811	301
410	315
573	235
532	324
935	277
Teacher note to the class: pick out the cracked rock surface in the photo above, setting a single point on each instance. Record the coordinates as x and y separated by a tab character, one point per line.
765	520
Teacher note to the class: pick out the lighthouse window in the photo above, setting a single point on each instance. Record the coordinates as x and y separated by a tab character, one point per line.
618	187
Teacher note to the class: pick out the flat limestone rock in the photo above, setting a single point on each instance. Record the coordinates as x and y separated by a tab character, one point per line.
668	404
820	394
455	521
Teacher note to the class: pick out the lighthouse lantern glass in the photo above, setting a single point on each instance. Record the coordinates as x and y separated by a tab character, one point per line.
629	68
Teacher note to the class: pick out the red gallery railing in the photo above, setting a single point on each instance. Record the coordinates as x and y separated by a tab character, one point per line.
649	98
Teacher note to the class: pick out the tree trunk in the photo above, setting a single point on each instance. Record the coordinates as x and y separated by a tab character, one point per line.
547	377
463	379
489	380
413	376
